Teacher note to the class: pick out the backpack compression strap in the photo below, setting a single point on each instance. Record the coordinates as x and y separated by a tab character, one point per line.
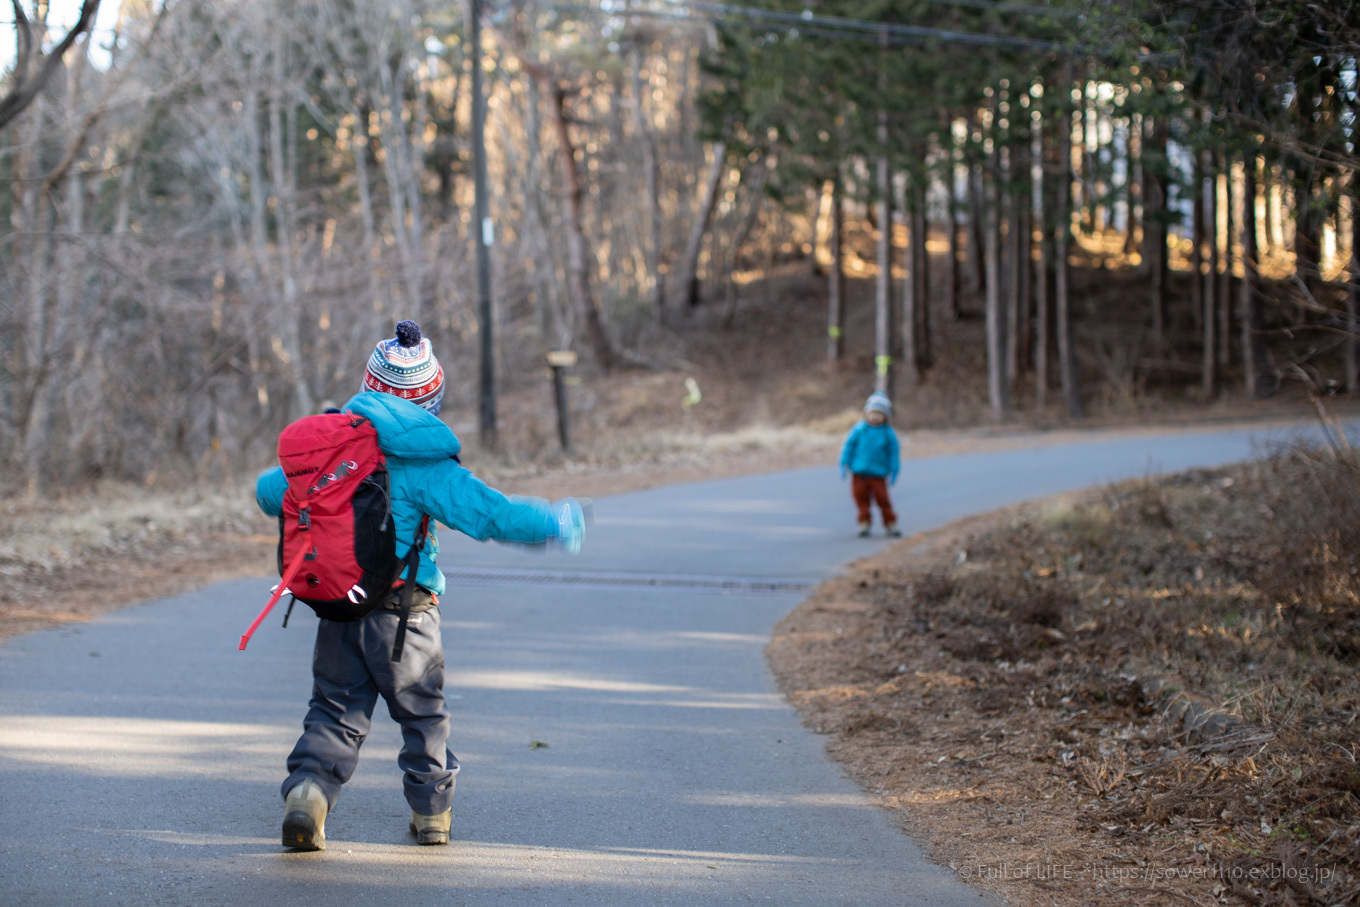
411	563
279	590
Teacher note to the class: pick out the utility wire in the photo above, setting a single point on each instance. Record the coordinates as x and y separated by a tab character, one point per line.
991	6
829	26
864	26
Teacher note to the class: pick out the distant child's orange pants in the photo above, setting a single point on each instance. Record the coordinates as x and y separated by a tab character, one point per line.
875	488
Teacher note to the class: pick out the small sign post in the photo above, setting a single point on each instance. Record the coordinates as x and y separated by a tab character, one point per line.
560	361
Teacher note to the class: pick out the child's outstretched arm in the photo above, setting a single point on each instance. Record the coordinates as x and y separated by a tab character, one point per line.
458	499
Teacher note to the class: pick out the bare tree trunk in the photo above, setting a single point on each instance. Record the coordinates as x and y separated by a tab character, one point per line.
835	315
1079	147
71	265
1044	146
287	319
31	216
1270	189
1025	279
1225	285
1353	294
359	147
883	295
126	179
1089	122
920	269
756	193
1197	305
689	274
816	199
1154	227
951	275
1206	211
649	172
1307	226
998	387
1012	264
578	258
1067	354
553	323
1132	180
405	219
1249	300
1212	310
911	293
977	242
28	220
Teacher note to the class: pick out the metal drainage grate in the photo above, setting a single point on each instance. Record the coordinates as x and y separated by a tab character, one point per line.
717	585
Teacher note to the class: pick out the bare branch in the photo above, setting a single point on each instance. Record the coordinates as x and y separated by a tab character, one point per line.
25	90
95	115
25	40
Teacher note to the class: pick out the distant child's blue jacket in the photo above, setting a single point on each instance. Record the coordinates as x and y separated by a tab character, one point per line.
871	450
426	479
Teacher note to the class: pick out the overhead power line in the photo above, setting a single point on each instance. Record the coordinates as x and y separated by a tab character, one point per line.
990	6
825	26
868	27
838	27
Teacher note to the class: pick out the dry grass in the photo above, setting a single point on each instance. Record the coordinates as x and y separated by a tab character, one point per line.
996	689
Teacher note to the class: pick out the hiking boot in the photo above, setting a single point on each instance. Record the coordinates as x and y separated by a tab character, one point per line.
431	829
864	530
894	531
304	817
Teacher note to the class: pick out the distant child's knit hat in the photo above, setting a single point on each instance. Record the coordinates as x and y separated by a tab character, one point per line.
405	367
878	402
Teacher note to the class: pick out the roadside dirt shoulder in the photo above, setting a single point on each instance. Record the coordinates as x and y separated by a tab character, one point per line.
1143	694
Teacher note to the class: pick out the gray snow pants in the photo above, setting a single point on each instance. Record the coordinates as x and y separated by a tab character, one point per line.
351	667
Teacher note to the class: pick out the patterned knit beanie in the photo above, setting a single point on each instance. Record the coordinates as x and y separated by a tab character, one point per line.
405	367
878	402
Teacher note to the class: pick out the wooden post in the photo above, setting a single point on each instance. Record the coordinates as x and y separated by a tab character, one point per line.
560	361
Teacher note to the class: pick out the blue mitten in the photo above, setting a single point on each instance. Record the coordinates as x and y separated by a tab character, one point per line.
571	525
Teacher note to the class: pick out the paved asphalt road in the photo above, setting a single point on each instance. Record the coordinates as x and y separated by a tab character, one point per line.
140	755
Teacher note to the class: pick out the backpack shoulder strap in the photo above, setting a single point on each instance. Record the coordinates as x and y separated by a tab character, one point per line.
411	564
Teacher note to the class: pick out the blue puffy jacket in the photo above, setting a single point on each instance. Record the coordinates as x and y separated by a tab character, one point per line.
426	479
871	450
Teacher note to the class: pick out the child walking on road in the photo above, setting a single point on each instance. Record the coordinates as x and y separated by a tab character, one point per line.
352	664
870	457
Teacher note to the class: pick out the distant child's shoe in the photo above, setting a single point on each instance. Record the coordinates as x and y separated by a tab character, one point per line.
894	531
432	829
304	817
864	530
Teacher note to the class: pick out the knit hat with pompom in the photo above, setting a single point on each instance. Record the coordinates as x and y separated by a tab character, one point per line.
405	367
878	402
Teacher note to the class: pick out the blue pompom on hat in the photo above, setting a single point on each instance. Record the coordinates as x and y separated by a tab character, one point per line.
878	402
405	367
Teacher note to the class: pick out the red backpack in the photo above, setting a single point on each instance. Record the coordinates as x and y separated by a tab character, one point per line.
337	541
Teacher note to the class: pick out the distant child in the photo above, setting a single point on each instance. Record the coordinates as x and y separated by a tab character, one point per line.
871	458
351	665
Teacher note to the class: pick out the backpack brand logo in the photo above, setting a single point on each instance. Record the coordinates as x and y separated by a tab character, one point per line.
345	468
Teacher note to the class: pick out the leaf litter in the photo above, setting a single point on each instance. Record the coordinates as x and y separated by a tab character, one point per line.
1143	694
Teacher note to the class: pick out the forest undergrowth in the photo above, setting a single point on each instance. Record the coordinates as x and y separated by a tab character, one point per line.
1143	694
